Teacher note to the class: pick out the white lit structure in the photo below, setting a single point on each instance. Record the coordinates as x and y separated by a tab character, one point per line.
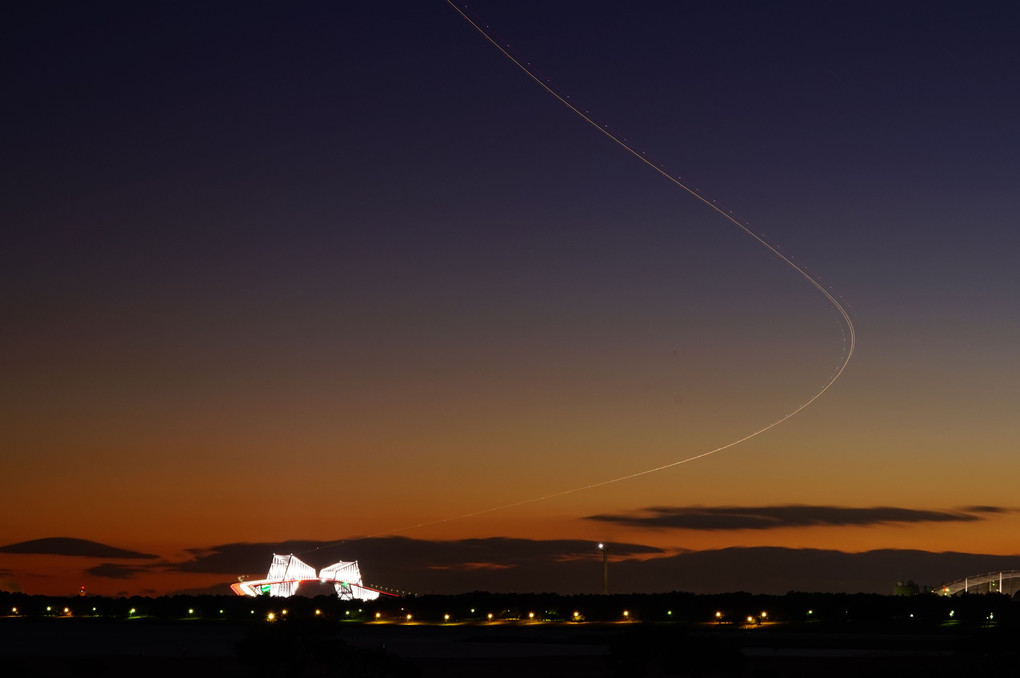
287	573
1006	582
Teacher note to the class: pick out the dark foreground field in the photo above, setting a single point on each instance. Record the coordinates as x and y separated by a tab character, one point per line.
934	641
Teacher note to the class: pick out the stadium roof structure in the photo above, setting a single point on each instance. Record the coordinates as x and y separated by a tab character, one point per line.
287	573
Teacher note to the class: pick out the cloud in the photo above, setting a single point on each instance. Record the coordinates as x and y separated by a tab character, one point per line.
472	566
533	566
114	571
987	509
222	589
8	582
241	558
496	563
68	546
776	517
774	570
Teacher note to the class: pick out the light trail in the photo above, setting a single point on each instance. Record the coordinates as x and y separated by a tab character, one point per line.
846	327
849	335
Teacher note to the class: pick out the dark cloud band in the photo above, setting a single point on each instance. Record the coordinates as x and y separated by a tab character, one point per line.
783	516
68	546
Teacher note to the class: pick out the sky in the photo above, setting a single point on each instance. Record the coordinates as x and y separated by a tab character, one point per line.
346	282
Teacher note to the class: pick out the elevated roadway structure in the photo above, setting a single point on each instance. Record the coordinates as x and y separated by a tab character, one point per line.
1004	581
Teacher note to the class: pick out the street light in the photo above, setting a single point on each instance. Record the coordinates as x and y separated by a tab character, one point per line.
605	567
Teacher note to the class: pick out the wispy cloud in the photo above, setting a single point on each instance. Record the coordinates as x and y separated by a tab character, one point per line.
472	566
69	546
782	516
115	571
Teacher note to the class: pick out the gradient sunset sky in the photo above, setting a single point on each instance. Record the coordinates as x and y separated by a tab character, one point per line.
314	272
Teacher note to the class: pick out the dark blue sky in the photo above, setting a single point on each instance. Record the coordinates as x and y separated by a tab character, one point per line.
260	248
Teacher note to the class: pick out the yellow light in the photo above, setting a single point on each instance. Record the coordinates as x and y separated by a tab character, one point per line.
378	614
764	614
408	617
750	619
318	612
531	615
577	614
490	615
66	610
626	613
191	611
14	610
271	616
446	617
718	615
285	611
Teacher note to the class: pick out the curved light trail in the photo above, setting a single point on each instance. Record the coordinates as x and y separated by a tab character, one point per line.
849	335
847	326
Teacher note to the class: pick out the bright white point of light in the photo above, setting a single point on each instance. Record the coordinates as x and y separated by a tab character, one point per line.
602	546
810	611
191	611
285	612
750	619
446	617
378	614
318	612
221	611
490	615
131	611
911	615
271	616
669	612
952	612
14	610
49	609
531	615
764	614
408	617
718	615
347	612
626	613
66	610
577	614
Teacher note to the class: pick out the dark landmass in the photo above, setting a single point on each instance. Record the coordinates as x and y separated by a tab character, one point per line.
495	635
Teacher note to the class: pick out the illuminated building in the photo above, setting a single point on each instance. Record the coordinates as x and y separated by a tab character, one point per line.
287	573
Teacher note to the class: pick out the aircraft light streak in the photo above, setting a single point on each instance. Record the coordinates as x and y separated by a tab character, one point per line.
846	326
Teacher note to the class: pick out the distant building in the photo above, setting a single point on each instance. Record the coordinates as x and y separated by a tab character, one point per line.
906	588
287	573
